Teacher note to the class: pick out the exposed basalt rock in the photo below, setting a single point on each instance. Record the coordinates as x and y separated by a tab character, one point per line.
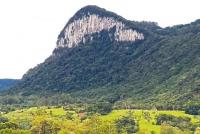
76	31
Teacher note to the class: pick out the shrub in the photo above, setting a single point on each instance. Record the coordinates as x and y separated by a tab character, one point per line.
183	123
167	129
101	108
126	124
193	110
3	119
8	125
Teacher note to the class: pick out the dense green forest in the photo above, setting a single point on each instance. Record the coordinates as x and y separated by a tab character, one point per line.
7	83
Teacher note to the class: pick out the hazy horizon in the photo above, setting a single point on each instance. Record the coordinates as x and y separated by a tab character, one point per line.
29	29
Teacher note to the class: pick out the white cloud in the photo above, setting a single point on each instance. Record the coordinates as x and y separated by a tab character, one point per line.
29	28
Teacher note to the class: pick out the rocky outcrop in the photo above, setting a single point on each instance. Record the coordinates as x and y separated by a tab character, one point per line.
76	31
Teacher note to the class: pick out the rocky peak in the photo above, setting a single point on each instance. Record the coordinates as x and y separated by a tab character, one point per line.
92	19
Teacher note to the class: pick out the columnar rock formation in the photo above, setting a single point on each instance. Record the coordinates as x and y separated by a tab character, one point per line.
75	32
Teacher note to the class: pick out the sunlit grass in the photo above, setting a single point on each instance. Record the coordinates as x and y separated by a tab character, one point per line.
145	118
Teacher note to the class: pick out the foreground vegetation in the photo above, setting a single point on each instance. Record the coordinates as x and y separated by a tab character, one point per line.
61	120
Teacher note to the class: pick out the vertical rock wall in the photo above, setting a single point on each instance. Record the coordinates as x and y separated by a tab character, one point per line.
74	33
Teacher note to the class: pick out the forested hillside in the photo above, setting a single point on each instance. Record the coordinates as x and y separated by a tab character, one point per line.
6	83
154	66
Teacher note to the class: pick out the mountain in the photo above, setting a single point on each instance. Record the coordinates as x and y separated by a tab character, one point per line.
101	56
7	83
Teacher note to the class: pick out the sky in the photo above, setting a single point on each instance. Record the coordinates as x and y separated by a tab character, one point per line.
29	28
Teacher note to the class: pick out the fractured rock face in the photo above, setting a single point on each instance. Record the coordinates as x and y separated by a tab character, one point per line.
76	31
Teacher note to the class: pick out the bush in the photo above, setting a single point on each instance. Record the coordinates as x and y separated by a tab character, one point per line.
45	127
3	119
167	129
11	131
126	124
170	118
69	116
183	123
8	125
101	108
193	110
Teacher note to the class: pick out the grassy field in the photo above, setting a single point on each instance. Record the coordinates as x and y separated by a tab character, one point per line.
147	118
57	120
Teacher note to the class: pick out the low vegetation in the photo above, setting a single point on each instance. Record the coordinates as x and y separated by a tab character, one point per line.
61	120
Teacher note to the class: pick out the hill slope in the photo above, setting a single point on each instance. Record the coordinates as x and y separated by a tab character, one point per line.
101	56
7	83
